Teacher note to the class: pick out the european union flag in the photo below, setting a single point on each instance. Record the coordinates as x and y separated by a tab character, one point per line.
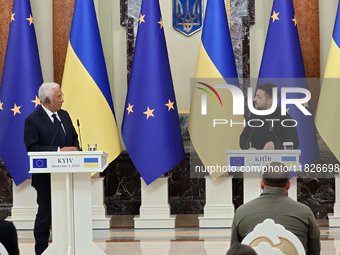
236	161
40	163
151	129
282	58
21	79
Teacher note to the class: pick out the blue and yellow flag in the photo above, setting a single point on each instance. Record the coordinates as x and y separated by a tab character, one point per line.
215	65
151	129
282	65
21	79
327	118
86	85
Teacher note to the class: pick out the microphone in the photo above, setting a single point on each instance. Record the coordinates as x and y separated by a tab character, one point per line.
250	137
81	145
271	129
55	134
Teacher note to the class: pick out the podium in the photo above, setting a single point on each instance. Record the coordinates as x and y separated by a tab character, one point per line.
71	198
250	162
219	208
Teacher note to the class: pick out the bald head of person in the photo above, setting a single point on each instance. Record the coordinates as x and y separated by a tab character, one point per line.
275	175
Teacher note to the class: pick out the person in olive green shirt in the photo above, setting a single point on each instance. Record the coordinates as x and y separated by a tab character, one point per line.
241	249
276	205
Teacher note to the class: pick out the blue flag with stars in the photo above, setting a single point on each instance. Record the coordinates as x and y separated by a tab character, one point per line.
151	128
282	58
20	82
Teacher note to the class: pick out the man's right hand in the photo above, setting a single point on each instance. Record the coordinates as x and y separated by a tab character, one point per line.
69	148
251	148
269	146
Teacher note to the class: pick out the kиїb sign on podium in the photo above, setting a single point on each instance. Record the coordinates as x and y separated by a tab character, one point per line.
71	198
251	163
219	209
252	160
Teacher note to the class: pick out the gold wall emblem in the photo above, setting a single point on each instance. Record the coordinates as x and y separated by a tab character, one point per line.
187	16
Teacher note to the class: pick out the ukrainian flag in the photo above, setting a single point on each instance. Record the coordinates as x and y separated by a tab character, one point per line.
90	162
327	115
215	65
288	160
86	85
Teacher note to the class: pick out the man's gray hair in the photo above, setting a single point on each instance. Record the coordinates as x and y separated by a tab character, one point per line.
47	90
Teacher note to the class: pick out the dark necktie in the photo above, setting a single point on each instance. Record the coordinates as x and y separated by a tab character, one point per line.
57	123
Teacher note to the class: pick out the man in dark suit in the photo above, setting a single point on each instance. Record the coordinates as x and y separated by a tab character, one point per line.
48	128
264	134
9	237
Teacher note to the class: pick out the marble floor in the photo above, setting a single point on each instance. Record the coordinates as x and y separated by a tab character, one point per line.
181	240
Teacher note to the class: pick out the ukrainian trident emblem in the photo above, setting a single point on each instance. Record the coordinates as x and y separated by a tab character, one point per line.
187	16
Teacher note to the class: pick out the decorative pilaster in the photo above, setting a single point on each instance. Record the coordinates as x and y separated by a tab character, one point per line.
307	15
5	21
62	21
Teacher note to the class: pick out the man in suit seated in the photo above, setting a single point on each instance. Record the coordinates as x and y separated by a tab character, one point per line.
48	128
267	132
9	237
276	205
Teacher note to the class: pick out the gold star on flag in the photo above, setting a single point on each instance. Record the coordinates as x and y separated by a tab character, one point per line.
294	20
36	101
16	109
1	103
161	23
30	19
149	113
12	18
306	105
141	19
275	16
129	109
170	105
287	110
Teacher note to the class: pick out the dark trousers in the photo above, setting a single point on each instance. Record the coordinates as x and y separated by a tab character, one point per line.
43	219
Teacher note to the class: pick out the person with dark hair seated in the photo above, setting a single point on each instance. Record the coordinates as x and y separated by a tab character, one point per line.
276	205
241	249
9	237
266	132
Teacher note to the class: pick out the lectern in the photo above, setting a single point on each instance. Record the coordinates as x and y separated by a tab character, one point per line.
219	208
71	198
250	162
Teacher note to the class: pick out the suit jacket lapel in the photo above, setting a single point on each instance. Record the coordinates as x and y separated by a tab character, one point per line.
56	137
63	120
44	118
